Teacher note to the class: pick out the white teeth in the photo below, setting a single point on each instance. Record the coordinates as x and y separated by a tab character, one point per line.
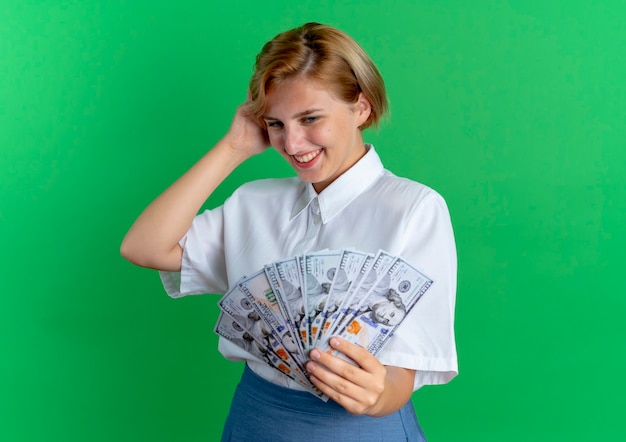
308	157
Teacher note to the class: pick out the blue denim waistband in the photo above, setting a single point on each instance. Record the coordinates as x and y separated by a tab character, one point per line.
265	412
279	396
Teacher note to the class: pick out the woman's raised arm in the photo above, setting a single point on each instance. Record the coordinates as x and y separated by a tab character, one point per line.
153	239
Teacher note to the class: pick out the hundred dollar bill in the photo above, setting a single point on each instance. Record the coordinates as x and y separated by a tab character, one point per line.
386	305
259	290
337	318
319	270
230	329
245	311
350	263
276	284
370	276
290	292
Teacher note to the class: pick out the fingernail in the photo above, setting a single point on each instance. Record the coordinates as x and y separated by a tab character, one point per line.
334	342
315	354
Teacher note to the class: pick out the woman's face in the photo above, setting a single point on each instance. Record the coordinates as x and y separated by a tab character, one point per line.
315	132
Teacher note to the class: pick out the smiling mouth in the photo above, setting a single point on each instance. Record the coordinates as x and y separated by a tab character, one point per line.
307	157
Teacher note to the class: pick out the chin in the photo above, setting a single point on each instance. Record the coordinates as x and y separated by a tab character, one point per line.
308	177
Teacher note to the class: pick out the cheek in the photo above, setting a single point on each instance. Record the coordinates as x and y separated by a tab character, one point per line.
320	136
275	141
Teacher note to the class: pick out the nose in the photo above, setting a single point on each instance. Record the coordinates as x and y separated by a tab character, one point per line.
294	139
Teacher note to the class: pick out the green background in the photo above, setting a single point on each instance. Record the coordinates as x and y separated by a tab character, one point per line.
514	111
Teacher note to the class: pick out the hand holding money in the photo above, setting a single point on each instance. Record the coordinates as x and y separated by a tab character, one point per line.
357	388
338	308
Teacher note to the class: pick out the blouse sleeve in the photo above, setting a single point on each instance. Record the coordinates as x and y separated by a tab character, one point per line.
425	339
203	268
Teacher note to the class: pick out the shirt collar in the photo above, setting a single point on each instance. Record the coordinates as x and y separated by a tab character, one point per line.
344	189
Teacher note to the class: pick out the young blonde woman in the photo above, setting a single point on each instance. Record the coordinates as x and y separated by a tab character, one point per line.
312	93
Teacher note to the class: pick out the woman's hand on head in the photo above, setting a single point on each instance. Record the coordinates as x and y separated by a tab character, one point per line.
245	135
369	388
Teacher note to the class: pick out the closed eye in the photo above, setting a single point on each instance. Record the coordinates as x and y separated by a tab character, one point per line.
309	119
273	124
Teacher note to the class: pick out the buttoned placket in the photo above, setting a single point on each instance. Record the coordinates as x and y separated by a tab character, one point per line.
315	212
314	224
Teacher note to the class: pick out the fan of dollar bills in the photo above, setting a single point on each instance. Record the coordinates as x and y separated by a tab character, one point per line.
288	307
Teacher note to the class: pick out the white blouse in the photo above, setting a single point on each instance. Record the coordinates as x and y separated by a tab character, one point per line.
366	209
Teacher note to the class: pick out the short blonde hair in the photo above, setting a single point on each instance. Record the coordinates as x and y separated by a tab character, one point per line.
322	53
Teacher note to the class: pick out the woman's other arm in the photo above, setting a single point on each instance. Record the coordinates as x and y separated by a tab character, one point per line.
153	239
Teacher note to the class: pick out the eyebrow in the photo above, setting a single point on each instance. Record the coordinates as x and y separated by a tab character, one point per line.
298	115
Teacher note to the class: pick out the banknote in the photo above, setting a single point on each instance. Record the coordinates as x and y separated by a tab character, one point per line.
276	284
230	329
385	305
245	311
319	270
350	262
259	290
281	311
369	279
337	318
290	292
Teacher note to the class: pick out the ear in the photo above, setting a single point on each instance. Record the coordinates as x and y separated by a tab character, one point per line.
363	108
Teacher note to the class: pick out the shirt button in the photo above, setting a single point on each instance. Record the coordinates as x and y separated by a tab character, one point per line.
317	219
